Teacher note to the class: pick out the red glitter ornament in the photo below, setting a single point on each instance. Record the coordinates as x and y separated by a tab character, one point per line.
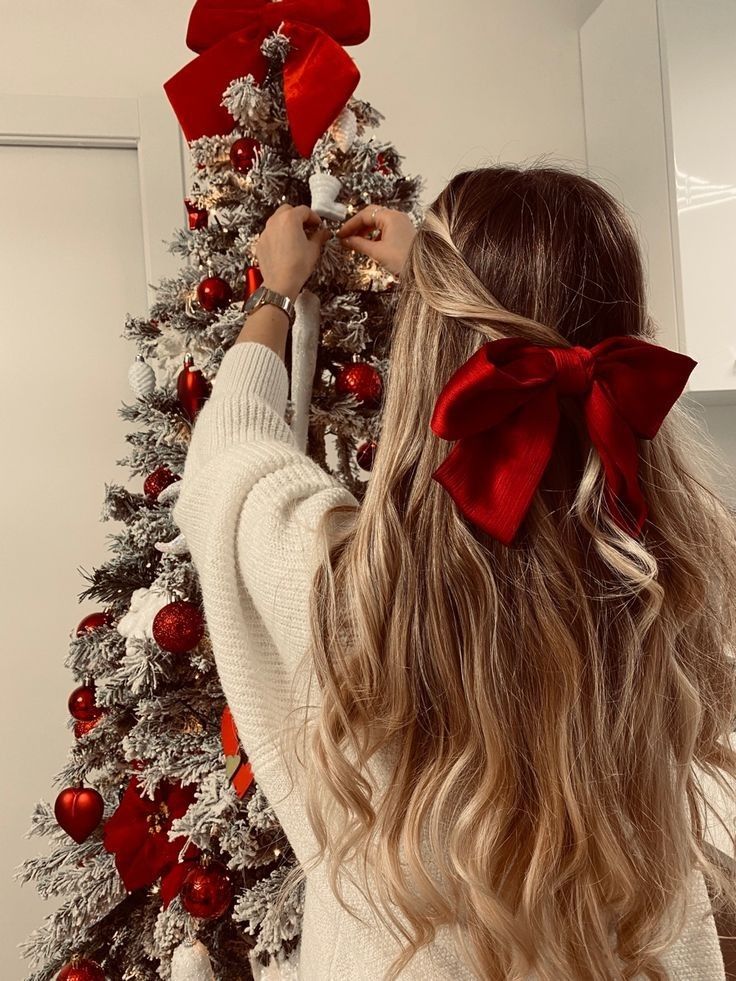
78	811
197	216
243	153
214	293
156	481
365	454
253	280
83	726
361	380
192	388
81	969
207	891
82	703
94	620
178	627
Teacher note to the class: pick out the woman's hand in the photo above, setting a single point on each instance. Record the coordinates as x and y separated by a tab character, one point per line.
397	233
288	248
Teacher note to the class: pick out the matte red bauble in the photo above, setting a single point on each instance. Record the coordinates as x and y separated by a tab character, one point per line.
94	620
178	627
197	216
243	153
214	293
82	703
192	388
156	481
361	380
81	969
366	453
79	811
207	891
253	280
82	727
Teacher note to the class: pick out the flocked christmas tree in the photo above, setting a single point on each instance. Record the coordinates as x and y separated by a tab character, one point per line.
165	854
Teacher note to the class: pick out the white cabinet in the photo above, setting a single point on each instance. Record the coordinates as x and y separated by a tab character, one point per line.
659	90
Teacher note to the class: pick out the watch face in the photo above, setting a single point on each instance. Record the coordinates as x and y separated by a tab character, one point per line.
254	298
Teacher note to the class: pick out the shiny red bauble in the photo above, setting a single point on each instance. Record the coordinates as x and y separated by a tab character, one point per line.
243	153
81	969
214	293
207	891
78	811
178	627
197	216
157	480
192	388
365	454
94	620
253	280
82	703
361	380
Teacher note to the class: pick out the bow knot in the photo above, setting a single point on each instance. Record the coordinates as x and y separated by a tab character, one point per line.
502	409
574	369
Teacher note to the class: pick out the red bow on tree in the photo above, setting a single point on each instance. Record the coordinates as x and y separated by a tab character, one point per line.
502	408
319	75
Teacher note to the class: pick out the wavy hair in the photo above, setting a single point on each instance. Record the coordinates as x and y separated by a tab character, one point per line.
542	710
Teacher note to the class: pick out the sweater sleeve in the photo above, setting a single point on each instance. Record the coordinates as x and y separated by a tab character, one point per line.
248	505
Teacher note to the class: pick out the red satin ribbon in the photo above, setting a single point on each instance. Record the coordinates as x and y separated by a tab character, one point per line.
502	408
319	75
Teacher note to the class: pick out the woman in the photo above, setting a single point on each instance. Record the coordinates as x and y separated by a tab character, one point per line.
493	684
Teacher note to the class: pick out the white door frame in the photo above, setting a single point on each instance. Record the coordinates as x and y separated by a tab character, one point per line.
146	124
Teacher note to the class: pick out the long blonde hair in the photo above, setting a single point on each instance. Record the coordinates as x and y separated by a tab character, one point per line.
545	704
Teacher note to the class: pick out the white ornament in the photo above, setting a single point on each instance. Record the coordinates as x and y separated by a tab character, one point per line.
191	962
325	189
276	970
144	605
345	129
141	377
178	545
170	492
304	344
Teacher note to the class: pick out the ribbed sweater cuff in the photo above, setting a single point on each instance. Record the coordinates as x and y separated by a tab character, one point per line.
256	368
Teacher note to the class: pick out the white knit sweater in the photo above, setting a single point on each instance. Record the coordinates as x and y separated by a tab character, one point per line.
248	503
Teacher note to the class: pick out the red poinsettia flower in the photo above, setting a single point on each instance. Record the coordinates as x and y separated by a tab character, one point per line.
137	832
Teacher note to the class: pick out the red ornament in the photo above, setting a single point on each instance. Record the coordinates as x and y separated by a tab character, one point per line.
243	153
253	280
156	481
94	620
82	727
78	811
81	969
178	627
237	767
137	832
82	703
365	454
214	293
382	165
192	388
197	216
207	891
361	380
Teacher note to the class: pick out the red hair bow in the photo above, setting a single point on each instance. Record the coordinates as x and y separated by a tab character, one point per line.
319	75
502	408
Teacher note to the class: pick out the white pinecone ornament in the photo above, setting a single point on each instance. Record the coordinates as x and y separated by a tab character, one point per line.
141	377
191	962
325	189
345	129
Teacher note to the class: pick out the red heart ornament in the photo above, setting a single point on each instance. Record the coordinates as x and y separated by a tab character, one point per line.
79	811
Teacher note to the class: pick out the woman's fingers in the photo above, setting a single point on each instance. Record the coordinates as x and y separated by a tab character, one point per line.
363	219
368	246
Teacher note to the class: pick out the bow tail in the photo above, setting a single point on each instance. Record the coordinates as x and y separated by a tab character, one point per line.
617	446
319	78
195	91
492	475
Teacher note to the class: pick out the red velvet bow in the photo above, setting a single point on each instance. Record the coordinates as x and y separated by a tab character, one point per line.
502	408
319	75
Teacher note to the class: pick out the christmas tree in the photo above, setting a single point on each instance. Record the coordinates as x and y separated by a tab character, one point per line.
165	854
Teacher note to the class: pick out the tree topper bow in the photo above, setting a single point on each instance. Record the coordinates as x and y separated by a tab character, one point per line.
319	75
